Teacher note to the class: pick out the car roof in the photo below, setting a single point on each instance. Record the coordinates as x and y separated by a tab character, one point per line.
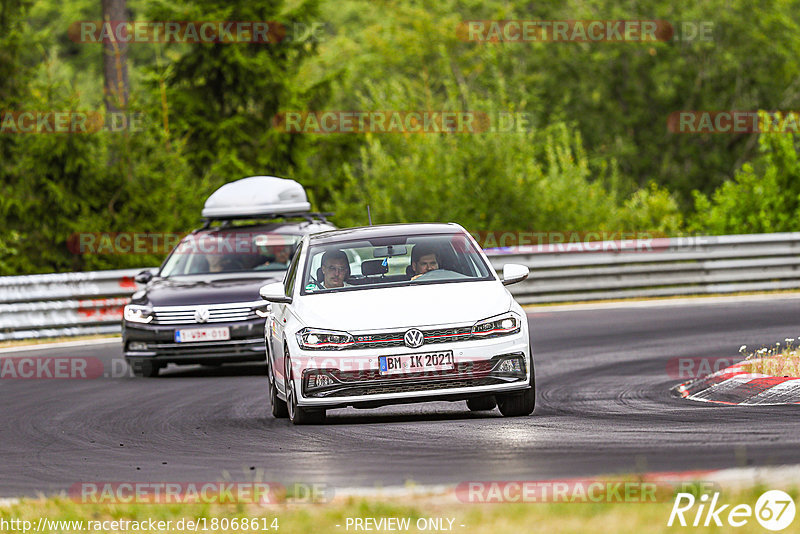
299	228
383	230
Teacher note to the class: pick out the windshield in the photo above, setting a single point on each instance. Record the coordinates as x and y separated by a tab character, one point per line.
395	261
231	252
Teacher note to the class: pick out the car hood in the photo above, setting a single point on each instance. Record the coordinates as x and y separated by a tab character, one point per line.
404	307
192	290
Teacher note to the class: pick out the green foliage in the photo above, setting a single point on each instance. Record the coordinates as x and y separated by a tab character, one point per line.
64	185
594	155
652	209
618	95
223	97
764	195
220	99
491	181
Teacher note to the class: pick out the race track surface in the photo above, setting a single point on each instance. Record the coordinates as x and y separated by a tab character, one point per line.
603	406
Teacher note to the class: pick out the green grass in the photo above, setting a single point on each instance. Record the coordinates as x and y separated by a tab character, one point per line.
631	518
775	361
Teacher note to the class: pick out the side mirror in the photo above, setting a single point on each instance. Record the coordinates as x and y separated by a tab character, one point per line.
143	277
513	273
274	293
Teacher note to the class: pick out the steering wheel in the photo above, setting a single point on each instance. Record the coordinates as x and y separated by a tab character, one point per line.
439	274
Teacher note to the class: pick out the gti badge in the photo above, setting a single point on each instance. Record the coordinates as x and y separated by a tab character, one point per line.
414	338
201	314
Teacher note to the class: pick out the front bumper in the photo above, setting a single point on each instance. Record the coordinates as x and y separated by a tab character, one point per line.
246	343
355	378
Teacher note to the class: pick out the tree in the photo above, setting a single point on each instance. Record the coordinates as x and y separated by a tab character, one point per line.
223	96
115	58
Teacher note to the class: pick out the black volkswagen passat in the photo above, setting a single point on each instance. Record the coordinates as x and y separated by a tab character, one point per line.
202	305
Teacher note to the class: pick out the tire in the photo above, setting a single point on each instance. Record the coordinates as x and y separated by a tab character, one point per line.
517	404
481	404
145	368
297	414
279	409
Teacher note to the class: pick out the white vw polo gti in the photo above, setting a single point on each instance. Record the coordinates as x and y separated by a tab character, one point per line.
396	314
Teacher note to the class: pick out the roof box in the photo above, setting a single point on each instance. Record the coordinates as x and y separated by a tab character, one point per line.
256	197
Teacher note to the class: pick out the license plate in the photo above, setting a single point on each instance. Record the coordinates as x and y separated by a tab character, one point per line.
416	363
202	334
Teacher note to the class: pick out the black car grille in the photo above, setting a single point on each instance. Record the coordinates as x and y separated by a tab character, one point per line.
211	348
185	315
395	339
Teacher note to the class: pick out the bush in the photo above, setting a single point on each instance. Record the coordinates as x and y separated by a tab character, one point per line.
764	195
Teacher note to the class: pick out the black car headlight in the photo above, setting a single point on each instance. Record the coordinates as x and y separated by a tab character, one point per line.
134	313
318	339
499	325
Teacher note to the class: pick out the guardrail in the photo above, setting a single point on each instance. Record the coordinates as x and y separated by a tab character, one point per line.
91	303
655	267
64	304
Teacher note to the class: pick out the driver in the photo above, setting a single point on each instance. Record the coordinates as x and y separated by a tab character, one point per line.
335	269
424	259
220	263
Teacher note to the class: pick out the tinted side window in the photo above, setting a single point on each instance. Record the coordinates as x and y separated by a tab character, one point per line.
288	282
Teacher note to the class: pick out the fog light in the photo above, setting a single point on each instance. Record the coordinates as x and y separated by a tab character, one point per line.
511	365
137	345
318	380
324	380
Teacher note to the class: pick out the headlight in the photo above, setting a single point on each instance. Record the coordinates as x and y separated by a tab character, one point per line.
138	314
499	325
317	339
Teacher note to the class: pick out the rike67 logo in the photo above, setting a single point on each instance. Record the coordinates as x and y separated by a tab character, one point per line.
774	510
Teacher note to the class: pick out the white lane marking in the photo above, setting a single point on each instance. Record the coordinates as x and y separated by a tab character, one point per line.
784	393
46	346
730	384
532	309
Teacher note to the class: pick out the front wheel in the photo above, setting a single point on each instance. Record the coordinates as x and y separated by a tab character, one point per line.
297	414
481	404
517	404
145	368
279	409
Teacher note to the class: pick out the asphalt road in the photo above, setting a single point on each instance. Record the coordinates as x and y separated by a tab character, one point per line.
603	406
